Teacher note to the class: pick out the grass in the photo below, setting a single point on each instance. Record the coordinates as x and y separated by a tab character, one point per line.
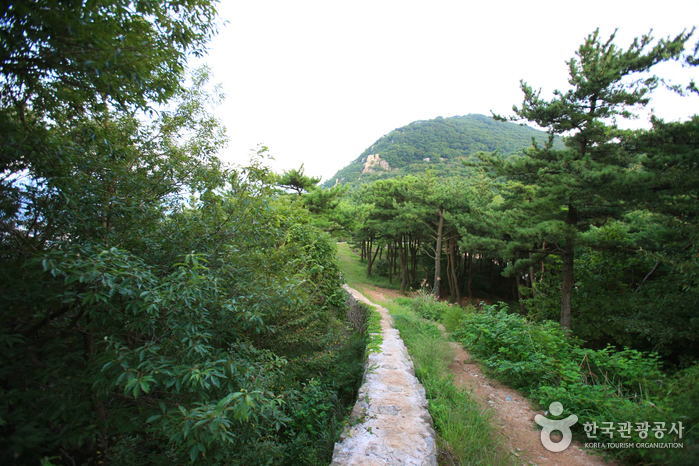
465	434
354	271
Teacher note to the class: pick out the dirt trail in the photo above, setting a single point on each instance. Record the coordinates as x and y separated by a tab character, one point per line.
512	413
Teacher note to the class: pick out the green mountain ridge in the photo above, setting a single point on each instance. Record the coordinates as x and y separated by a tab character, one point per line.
440	145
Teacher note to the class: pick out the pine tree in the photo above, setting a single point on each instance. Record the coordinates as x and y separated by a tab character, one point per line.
584	184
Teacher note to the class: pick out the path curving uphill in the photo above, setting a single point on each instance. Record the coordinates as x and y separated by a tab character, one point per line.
392	424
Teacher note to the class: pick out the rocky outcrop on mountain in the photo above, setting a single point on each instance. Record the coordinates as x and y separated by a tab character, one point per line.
374	163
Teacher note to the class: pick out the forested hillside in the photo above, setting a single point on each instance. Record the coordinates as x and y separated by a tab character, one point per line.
440	145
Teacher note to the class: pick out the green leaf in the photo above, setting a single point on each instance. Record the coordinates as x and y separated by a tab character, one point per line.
193	453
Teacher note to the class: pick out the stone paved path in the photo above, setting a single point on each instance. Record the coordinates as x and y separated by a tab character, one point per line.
393	425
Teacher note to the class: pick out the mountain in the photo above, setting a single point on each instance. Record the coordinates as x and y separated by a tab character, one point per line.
440	144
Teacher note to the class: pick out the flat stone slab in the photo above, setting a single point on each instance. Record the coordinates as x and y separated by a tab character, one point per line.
391	424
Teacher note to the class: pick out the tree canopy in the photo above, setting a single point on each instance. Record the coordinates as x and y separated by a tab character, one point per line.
587	183
156	305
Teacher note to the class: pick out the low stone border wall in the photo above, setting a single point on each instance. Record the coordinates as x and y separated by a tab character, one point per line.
390	421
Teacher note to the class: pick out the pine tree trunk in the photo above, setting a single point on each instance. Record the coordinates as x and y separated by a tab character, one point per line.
532	277
403	254
543	267
370	258
470	277
455	278
464	272
422	263
567	287
395	259
450	278
413	260
518	283
438	254
389	258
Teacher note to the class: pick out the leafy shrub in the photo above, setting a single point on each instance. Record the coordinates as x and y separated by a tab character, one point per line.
156	357
405	302
597	385
453	317
428	307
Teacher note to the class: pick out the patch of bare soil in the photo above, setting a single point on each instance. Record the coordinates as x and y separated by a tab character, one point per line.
515	416
512	412
377	293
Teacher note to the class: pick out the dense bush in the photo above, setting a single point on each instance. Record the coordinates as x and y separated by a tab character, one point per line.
613	306
128	361
428	307
598	386
157	307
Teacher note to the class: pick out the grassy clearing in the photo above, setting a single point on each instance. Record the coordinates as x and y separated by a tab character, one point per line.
354	271
465	434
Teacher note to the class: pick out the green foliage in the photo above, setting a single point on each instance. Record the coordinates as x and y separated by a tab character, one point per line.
465	430
373	329
297	180
597	385
313	413
218	391
156	306
329	211
613	306
427	306
354	272
563	193
64	61
454	316
445	141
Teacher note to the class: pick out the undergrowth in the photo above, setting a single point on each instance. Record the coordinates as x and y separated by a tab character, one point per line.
428	307
466	434
374	337
599	386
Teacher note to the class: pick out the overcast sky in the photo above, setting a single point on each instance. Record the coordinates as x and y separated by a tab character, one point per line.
319	81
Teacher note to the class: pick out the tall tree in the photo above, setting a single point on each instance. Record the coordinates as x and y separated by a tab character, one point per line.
583	184
63	63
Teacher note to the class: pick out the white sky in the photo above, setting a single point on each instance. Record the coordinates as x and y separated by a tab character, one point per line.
319	81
